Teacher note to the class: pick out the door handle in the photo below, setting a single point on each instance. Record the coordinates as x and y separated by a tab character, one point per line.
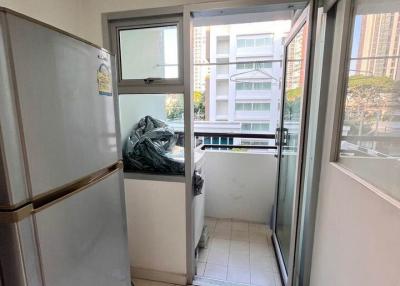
285	136
277	141
277	136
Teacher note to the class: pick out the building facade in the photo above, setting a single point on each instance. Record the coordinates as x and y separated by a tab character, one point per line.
246	80
379	45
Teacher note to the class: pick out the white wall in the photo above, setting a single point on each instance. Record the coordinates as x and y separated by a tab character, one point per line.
91	25
63	14
357	235
82	17
239	185
157	229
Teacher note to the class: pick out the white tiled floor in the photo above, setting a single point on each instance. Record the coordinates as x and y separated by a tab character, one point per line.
239	252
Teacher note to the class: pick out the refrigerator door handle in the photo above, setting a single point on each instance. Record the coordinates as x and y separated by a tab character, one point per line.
47	199
14	216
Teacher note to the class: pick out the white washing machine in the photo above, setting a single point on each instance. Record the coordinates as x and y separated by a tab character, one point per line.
199	200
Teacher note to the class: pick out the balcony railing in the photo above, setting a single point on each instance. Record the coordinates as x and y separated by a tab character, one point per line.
235	141
231	140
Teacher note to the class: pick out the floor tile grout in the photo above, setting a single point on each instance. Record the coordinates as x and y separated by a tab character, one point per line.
250	238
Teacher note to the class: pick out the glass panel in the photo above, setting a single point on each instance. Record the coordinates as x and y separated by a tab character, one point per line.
268	41
149	52
164	151
267	65
260	127
241	43
265	106
246	126
370	145
260	42
247	106
249	43
294	84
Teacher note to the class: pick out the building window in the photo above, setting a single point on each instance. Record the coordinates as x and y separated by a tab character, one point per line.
222	68
250	66
241	43
254	41
249	86
252	106
261	106
263	42
370	131
222	45
222	87
255	127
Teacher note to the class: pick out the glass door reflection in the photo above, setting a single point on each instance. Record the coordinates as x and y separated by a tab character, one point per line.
290	140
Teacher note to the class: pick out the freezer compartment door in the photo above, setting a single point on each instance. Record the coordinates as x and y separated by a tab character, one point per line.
66	104
83	239
13	187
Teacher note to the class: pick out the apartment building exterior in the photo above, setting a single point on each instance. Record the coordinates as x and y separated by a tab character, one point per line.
379	46
200	46
247	91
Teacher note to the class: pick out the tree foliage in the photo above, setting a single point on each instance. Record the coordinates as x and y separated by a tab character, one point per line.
199	105
175	106
369	99
292	103
371	93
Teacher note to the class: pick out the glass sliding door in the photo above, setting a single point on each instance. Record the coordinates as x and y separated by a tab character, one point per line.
290	142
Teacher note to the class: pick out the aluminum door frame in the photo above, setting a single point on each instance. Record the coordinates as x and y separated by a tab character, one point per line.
305	17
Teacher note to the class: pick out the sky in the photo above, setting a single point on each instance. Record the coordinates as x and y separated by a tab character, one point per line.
356	42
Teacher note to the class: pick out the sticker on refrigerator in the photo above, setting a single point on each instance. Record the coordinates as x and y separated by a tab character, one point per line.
104	81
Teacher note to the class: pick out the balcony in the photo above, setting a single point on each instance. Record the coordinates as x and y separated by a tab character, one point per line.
239	177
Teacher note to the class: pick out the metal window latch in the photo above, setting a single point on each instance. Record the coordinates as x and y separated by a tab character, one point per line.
151	80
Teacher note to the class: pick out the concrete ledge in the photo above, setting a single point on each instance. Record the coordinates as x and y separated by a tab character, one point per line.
154	177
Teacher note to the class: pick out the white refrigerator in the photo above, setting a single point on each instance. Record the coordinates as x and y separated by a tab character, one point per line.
62	209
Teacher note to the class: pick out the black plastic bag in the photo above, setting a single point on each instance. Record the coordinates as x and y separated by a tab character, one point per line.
198	182
149	146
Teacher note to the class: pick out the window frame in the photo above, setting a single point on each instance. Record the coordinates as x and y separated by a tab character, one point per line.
346	42
113	22
164	85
